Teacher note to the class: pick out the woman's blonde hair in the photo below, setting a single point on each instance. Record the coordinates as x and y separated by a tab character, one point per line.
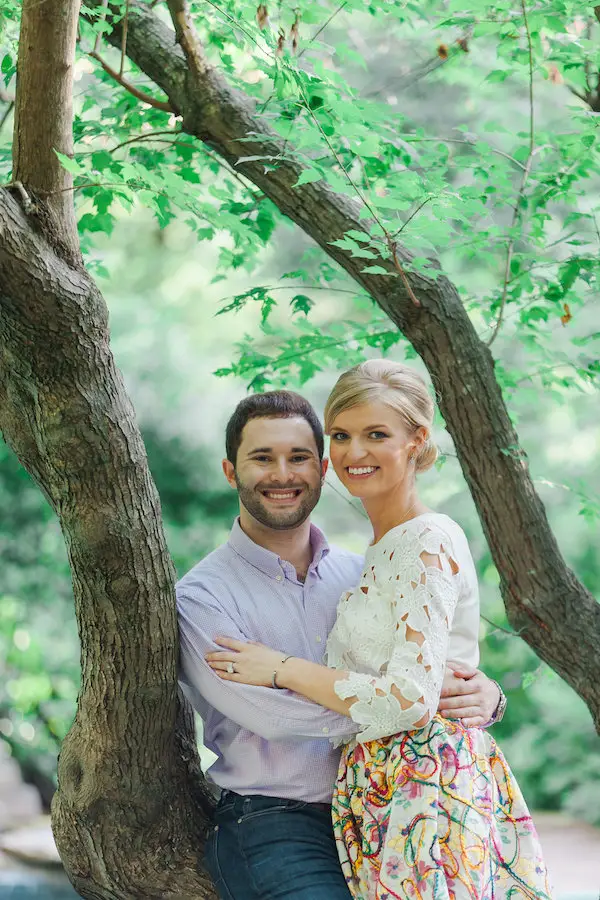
394	384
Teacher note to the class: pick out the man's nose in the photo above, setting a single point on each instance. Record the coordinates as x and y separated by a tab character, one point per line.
281	471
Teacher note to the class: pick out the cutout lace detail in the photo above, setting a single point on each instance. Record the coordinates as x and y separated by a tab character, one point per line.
392	630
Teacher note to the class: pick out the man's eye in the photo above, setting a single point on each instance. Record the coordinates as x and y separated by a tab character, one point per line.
299	459
261	459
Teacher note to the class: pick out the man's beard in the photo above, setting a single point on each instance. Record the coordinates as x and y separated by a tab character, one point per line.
251	499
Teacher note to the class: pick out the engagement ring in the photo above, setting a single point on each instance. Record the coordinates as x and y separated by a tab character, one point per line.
230	668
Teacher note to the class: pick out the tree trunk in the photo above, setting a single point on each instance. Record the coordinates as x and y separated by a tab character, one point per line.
551	609
131	812
44	114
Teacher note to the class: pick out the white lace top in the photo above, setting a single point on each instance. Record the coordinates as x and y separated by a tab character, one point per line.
397	589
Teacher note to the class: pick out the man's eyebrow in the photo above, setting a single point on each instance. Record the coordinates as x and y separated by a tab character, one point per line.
270	450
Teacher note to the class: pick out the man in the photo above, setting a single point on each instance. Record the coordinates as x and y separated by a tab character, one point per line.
278	582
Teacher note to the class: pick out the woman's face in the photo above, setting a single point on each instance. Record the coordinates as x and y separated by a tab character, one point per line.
369	449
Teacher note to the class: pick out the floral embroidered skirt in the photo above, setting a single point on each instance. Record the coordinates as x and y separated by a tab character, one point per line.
435	814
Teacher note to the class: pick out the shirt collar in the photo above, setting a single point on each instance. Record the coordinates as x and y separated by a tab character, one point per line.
267	561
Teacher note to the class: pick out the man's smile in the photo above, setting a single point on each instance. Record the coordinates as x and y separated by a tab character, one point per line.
282	495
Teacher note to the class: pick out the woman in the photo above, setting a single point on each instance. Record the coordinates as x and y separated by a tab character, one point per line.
423	807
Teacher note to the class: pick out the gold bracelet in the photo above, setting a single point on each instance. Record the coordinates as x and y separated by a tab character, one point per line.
274	676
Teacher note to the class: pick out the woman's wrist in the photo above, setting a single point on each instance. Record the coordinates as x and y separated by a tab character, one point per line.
276	680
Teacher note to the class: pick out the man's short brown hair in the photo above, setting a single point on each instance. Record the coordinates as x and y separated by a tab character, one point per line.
270	405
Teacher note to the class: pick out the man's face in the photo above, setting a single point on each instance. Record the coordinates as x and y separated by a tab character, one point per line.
277	473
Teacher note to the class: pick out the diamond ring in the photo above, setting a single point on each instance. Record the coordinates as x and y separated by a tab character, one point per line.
230	668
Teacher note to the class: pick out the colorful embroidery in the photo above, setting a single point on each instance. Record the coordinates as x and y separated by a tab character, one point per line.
435	814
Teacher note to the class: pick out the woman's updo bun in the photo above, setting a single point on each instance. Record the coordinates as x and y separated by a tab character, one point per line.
426	458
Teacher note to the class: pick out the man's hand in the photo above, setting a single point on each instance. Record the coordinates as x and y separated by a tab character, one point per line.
468	695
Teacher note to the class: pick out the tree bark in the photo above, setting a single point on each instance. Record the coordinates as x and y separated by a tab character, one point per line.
544	600
44	114
131	812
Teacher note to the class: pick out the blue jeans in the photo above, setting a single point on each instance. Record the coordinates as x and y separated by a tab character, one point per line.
267	848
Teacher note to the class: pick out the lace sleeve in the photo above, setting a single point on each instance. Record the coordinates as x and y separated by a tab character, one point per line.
418	578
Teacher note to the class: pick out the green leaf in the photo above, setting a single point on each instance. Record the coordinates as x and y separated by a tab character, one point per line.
376	270
308	176
497	75
68	163
301	304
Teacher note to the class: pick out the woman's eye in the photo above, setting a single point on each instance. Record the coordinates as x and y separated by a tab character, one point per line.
378	435
339	436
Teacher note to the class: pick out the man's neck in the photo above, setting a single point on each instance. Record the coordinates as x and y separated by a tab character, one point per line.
290	544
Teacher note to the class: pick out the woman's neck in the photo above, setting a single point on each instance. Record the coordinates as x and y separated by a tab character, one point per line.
388	510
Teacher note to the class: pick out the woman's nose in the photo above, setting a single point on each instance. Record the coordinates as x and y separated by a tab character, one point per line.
355	450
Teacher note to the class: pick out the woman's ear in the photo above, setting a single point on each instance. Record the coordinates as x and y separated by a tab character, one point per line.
419	440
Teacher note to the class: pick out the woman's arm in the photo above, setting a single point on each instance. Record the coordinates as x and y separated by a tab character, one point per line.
406	696
318	684
259	665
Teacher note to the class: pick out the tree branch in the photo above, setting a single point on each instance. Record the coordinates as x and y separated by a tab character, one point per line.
521	191
6	114
48	32
133	90
542	596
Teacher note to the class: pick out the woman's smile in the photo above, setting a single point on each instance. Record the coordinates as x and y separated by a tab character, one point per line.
361	472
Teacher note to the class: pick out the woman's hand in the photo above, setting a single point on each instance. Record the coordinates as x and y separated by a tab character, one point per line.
253	663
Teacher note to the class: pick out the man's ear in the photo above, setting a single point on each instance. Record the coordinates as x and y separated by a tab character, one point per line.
324	467
229	472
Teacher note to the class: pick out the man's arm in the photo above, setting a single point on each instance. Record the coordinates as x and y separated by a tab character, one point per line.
469	695
271	714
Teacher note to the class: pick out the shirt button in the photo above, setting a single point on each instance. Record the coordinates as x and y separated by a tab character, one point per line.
279	578
326	730
318	639
216	828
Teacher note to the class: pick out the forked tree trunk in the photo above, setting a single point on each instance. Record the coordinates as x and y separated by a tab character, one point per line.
131	812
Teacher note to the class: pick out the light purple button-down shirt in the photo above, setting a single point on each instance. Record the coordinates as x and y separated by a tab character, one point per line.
267	741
